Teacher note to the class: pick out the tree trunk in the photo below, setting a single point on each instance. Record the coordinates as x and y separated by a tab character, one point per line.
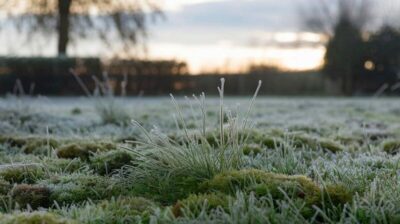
64	7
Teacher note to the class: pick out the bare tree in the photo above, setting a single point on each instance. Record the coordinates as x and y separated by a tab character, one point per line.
76	19
323	15
344	22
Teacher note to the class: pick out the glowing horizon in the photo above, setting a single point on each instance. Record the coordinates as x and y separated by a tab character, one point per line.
233	59
293	51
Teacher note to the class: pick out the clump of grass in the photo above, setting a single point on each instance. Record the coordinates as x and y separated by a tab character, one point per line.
57	165
117	210
112	112
163	161
22	173
34	218
107	107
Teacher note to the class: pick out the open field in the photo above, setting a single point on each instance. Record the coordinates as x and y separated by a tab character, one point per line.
294	160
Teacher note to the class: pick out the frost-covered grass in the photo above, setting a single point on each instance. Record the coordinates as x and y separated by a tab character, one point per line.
295	160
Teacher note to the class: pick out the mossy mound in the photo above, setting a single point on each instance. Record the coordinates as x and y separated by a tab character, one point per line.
75	188
278	186
83	150
34	218
127	208
264	183
350	140
21	173
213	139
301	140
270	142
134	204
196	203
5	187
391	146
330	145
33	195
76	111
63	165
248	137
30	144
336	195
118	210
108	162
251	149
304	128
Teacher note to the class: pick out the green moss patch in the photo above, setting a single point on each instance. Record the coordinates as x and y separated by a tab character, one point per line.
264	183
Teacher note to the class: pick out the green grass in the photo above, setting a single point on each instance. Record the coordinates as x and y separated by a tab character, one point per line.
200	161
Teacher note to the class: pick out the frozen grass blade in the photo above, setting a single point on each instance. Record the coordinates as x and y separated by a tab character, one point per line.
246	117
221	111
178	109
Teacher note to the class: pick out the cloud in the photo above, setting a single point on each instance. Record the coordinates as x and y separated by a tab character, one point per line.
250	14
236	20
175	5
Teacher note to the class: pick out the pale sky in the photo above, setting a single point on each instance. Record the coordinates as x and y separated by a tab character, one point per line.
228	35
223	35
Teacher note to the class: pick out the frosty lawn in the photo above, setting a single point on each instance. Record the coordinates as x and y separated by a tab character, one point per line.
297	160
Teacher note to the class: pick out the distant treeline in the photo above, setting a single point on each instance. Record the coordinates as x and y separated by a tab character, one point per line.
52	76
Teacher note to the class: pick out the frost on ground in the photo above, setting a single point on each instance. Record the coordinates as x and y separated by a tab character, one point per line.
299	160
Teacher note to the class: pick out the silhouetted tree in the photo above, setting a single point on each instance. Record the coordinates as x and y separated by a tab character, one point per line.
344	55
383	52
73	19
343	21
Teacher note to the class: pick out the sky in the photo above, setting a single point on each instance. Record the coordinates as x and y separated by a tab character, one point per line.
221	35
228	35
